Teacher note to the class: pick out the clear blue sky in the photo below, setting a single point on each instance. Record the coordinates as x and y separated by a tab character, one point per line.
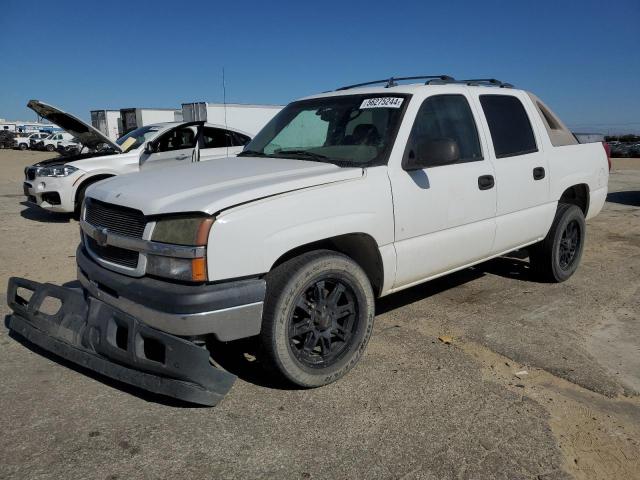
581	57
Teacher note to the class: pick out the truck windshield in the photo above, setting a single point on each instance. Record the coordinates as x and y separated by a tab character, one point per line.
137	137
350	130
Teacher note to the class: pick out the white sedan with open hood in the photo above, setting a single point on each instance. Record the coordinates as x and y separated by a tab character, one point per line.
59	184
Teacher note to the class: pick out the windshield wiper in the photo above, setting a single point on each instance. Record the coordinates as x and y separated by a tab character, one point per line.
252	153
304	153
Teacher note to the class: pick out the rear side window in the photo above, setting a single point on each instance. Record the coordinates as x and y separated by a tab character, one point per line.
448	117
218	138
509	125
240	139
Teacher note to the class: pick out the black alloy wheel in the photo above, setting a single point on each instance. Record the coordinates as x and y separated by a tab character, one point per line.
317	319
569	244
323	323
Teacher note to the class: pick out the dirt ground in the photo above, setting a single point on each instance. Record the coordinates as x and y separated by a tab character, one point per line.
540	381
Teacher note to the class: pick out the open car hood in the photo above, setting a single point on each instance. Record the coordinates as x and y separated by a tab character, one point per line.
88	135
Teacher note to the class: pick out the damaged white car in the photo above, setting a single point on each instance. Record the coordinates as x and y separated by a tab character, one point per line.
58	184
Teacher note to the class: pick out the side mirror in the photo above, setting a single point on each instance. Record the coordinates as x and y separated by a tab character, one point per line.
431	153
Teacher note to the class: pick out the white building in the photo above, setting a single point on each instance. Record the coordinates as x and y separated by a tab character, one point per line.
26	127
250	118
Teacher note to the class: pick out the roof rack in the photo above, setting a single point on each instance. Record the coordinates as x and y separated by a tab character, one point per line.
486	82
433	80
391	82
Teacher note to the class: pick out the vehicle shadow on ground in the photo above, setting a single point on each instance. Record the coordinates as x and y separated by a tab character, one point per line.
629	197
242	358
514	266
37	214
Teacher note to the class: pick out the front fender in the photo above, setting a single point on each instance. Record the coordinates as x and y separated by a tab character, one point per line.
247	240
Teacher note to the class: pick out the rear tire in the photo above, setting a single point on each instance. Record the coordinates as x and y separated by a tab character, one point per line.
318	318
557	257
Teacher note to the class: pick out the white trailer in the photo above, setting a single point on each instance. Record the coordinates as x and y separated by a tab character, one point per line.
108	122
133	118
250	118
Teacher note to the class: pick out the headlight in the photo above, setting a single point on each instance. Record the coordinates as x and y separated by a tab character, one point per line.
57	171
193	231
189	231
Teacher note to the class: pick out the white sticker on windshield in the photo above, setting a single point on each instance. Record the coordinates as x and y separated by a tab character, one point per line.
382	102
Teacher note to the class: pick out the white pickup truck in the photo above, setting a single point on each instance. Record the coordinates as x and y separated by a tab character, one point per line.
342	198
50	143
24	141
58	184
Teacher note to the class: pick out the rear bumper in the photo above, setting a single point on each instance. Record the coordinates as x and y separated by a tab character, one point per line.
94	335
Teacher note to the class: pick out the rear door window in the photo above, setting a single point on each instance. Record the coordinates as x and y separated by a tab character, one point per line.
219	138
509	125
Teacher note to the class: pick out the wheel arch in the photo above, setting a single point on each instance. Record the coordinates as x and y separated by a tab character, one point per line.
578	195
360	247
88	181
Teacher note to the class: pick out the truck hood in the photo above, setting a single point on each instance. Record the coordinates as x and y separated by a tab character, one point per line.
215	185
88	135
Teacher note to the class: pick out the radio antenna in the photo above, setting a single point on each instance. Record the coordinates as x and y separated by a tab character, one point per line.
224	103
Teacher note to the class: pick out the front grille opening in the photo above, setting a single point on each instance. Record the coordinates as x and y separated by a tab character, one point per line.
122	337
119	256
121	220
53	198
153	349
50	306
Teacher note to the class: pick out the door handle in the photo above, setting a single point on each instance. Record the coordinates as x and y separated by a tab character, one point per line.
486	182
538	173
182	157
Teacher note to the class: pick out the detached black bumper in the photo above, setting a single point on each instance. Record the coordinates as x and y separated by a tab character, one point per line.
101	338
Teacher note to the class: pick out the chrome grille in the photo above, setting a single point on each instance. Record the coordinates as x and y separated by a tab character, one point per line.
121	256
116	219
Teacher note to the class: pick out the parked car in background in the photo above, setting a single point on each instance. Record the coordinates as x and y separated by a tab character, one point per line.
37	138
70	147
59	184
50	143
23	141
7	139
343	197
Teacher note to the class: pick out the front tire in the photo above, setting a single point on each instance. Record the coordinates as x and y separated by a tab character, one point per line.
50	148
318	317
557	257
22	146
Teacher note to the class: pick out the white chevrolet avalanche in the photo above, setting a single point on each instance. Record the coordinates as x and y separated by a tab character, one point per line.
58	184
342	198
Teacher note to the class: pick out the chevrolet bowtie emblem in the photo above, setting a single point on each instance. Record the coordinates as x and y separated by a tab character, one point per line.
101	236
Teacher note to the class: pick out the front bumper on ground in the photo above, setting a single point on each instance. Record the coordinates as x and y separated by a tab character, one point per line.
97	336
